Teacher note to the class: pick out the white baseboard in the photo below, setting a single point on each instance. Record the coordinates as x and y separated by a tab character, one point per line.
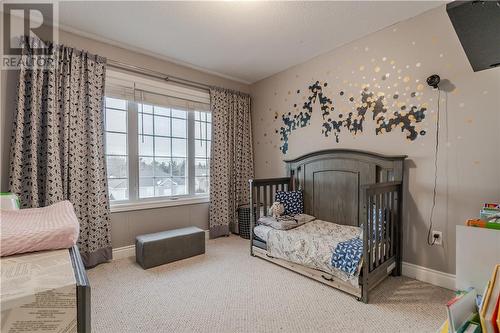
129	250
124	252
428	275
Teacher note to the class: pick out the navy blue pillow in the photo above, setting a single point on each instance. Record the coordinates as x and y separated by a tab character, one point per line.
293	201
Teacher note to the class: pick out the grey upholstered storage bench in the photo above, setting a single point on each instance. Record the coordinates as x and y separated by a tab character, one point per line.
163	247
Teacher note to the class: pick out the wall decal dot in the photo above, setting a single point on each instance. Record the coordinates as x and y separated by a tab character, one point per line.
377	69
413	43
422	132
418	64
406	79
485	92
298	91
361	68
384	59
441	55
341	93
366	49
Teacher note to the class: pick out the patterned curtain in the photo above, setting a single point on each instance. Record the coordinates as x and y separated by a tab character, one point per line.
57	150
231	164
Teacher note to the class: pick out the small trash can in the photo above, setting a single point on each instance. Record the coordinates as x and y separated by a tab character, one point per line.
244	220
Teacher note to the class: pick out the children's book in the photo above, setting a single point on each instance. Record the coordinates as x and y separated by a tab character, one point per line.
461	308
483	224
489	307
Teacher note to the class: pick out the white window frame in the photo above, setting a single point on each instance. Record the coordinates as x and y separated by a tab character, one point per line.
134	202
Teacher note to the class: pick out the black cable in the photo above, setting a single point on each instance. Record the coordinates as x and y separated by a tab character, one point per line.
435	175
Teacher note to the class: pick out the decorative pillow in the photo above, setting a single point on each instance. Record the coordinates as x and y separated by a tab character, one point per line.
285	222
293	201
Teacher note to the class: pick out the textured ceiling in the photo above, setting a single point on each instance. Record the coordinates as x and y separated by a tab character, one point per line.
246	41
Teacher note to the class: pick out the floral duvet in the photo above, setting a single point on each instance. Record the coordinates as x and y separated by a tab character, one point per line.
312	245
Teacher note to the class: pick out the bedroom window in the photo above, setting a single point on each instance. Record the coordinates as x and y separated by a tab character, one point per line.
157	142
115	118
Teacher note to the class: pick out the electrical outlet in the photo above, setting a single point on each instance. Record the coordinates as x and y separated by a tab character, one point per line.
437	237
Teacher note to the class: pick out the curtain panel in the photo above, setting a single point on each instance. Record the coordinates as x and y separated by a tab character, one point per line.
57	150
231	163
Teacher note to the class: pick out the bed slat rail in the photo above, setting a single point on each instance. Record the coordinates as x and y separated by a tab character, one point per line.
382	227
262	192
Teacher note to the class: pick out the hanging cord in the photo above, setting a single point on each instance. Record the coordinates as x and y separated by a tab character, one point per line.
434	192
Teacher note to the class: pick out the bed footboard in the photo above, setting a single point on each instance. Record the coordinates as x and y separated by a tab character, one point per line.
381	234
262	193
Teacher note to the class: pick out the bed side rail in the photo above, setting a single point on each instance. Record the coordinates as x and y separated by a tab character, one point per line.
382	229
262	193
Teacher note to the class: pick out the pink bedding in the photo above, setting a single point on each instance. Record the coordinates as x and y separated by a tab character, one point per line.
36	229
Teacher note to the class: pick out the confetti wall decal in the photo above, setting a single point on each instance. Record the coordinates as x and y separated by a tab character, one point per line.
368	105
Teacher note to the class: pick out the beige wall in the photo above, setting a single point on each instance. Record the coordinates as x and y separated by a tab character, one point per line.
125	225
469	158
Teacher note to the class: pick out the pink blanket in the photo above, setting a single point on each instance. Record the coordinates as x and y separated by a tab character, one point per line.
36	229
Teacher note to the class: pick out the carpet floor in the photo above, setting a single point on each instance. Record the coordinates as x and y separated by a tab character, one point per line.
227	290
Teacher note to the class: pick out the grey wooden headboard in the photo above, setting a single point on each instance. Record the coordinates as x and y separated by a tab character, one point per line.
332	181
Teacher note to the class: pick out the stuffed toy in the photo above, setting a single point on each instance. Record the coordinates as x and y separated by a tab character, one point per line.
277	209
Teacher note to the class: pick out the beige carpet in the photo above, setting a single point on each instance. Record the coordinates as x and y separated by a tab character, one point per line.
226	290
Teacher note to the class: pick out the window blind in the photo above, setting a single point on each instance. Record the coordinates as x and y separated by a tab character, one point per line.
147	91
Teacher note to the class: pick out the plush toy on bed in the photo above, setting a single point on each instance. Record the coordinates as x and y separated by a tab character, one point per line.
277	209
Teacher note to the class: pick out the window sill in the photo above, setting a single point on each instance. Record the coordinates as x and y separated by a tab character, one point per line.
130	206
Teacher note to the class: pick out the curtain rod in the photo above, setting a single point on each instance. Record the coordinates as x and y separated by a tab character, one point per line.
158	75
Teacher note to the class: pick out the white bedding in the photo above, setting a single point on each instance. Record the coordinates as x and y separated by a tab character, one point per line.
310	245
262	231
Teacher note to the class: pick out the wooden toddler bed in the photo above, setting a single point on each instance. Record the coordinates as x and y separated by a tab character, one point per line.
347	187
